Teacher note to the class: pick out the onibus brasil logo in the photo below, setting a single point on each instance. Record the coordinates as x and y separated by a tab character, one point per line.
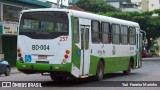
21	84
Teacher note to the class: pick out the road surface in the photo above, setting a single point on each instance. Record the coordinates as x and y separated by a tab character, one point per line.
149	72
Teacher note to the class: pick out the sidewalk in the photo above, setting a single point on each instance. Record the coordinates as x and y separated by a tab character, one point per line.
14	70
151	58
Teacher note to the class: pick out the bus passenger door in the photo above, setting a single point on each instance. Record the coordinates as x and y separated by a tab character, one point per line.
85	57
139	50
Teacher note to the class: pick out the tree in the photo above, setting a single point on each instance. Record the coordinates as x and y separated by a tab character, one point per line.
157	11
95	6
147	13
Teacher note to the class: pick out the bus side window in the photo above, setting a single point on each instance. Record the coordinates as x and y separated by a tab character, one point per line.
106	39
95	28
132	35
124	35
76	30
115	34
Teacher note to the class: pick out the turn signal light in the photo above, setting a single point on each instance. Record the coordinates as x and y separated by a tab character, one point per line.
67	51
18	50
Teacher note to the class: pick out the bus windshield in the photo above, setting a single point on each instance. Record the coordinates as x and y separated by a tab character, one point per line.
44	24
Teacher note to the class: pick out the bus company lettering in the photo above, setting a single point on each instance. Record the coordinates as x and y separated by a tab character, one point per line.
101	52
40	47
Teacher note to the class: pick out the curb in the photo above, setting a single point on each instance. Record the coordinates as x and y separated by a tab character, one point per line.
153	58
14	70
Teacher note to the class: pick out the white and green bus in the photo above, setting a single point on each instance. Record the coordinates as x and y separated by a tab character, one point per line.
68	43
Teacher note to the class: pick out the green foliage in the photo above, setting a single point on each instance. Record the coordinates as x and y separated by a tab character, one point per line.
95	6
147	13
157	11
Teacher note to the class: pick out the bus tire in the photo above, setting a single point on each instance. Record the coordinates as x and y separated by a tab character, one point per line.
7	71
99	71
128	71
57	78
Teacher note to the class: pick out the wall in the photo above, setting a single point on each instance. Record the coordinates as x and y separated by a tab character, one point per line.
154	4
138	2
115	4
150	5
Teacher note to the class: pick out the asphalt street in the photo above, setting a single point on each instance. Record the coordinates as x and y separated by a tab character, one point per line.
149	72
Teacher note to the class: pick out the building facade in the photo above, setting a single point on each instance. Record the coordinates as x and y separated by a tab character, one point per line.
150	5
147	5
124	5
9	16
138	2
116	3
129	7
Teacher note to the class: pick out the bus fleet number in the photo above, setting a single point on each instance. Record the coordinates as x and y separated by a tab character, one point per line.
40	47
63	38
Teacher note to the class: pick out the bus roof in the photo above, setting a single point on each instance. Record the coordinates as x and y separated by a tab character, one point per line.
91	16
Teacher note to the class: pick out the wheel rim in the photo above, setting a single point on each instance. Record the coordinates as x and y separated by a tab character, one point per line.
129	68
100	73
7	71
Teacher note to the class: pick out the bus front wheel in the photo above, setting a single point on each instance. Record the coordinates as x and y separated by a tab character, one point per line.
100	71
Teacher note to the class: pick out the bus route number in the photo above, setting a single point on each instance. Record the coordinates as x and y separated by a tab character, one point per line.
63	39
40	47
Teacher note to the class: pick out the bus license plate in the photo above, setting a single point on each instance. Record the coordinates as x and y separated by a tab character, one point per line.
42	56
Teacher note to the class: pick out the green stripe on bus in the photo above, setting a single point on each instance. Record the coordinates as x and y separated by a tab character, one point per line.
44	67
112	64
